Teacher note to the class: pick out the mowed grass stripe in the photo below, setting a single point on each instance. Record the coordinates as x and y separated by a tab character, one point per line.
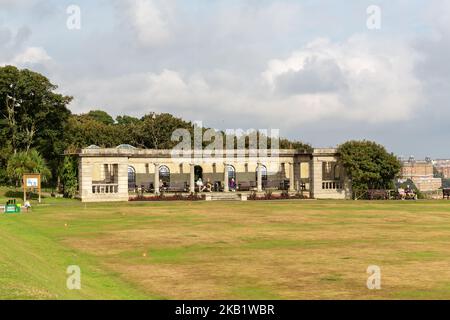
33	266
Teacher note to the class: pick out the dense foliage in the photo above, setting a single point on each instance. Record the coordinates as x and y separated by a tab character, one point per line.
24	162
69	177
369	165
32	116
152	131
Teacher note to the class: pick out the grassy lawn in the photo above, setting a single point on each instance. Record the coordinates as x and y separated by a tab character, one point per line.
252	250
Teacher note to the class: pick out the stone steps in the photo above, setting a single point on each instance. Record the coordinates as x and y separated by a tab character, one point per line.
232	196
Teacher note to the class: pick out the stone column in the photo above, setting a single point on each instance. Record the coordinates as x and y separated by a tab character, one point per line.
156	183
259	177
226	186
315	177
299	182
122	179
192	178
291	177
85	178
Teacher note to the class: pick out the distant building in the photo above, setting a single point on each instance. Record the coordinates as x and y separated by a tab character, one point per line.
421	173
443	167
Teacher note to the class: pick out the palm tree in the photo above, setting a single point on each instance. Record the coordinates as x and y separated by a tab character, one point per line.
27	162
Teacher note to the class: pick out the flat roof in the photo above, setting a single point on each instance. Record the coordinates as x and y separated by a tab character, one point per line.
164	153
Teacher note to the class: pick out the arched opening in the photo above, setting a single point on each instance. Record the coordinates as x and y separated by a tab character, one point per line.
337	172
131	178
232	184
164	176
198	173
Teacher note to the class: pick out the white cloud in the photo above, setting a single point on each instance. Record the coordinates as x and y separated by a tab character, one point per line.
373	81
438	15
150	20
31	55
353	80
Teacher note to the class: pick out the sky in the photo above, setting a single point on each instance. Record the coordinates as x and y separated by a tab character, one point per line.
322	72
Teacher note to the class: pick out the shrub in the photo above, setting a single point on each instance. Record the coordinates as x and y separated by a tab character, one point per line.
69	177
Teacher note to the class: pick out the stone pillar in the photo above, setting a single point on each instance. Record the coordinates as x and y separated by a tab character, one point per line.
259	178
305	173
226	186
156	182
192	178
291	177
122	179
300	171
300	181
84	178
315	177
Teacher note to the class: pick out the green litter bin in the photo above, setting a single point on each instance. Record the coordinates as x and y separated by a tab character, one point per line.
12	207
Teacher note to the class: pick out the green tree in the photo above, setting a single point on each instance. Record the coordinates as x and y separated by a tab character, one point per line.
5	153
369	165
294	144
30	109
24	162
101	116
126	120
156	130
82	131
68	176
32	114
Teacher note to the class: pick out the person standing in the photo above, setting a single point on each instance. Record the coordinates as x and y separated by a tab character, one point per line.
232	185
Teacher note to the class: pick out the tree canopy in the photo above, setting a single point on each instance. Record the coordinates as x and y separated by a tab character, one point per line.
27	162
101	116
32	115
30	109
369	165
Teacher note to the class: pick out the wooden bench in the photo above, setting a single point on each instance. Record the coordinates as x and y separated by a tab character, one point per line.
273	184
246	185
377	195
177	187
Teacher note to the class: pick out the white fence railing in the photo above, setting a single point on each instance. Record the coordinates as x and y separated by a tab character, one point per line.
105	188
331	185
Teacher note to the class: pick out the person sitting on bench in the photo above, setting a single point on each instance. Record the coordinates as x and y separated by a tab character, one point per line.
209	185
